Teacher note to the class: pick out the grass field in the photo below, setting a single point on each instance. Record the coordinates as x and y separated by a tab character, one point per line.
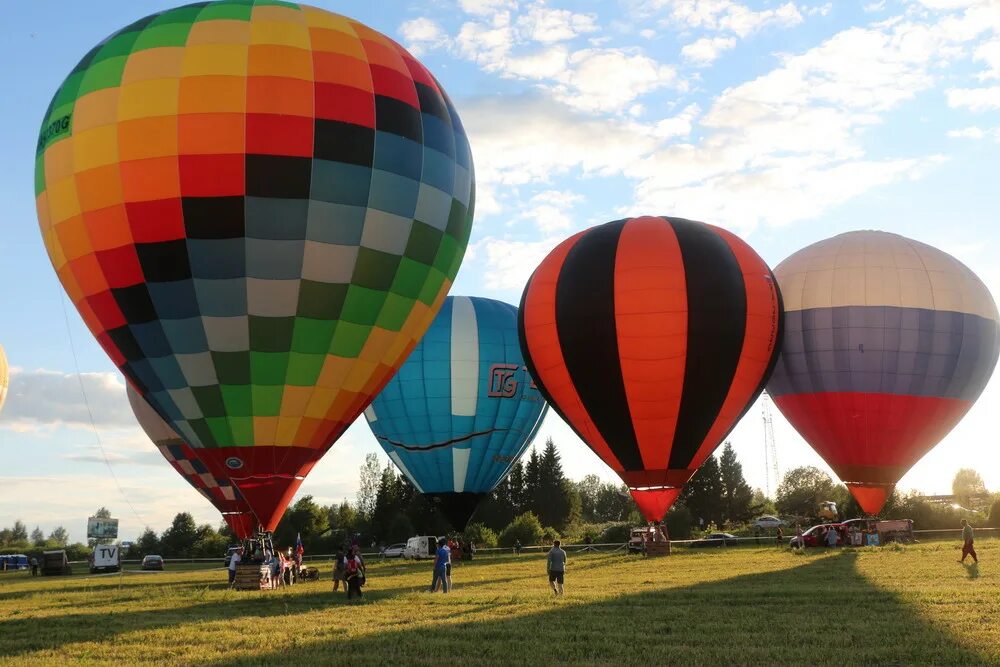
896	605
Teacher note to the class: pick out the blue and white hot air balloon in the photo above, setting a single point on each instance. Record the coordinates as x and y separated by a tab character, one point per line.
462	408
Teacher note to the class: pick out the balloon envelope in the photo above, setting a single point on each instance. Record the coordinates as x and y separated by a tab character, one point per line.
650	337
257	209
462	409
887	344
217	490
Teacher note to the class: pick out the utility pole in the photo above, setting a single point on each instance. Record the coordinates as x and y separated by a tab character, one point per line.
770	454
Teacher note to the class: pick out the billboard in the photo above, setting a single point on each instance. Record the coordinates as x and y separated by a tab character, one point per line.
102	529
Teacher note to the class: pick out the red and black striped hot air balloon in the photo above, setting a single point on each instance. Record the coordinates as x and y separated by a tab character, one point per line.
650	337
888	342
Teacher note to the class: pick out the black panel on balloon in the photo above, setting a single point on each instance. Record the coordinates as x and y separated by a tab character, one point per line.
717	309
458	508
585	316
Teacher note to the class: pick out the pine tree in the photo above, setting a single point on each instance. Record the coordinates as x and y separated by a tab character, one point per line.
556	499
530	499
703	494
737	494
515	482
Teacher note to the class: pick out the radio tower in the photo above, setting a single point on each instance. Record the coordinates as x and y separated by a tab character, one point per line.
770	455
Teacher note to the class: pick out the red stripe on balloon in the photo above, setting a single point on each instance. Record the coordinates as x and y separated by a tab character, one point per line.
871	438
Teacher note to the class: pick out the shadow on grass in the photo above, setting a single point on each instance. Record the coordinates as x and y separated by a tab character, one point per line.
21	636
971	569
822	612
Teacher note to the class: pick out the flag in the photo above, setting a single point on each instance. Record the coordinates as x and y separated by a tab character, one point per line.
299	549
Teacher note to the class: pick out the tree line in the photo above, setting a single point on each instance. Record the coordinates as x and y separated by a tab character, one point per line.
536	502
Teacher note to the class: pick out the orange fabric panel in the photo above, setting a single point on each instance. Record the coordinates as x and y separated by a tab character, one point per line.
759	341
211	133
651	324
542	338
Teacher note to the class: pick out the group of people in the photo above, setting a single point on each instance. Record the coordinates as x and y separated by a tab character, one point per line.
555	565
349	568
282	568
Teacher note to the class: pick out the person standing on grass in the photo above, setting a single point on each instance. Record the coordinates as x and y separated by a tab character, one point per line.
556	565
517	547
355	571
234	560
34	566
441	560
339	565
967	548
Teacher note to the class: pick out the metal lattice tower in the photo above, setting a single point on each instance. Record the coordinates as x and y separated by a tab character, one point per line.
770	454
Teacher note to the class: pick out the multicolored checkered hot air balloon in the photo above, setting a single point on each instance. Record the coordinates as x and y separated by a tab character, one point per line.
651	337
258	208
888	342
217	490
462	409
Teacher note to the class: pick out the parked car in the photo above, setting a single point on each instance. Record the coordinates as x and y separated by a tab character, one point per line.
816	536
716	540
395	550
635	538
152	562
768	522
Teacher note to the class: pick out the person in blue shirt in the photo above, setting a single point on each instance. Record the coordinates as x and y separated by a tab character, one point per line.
441	562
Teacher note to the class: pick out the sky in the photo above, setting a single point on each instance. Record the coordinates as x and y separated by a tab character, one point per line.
786	122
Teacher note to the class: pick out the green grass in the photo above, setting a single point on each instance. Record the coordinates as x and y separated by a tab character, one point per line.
896	605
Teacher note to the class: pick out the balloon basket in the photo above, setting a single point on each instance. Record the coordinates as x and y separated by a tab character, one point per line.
252	577
656	549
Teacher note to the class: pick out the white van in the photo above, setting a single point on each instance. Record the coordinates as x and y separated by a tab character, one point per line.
422	546
106	558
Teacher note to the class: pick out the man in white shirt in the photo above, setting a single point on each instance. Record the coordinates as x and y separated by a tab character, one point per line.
234	560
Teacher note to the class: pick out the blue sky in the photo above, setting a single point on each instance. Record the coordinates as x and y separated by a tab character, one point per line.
786	122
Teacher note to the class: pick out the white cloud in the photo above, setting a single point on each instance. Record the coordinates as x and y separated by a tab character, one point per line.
549	219
422	34
972	132
550	210
606	80
485	7
974	99
44	398
728	16
789	191
873	7
794	135
527	43
509	264
819	10
989	53
546	25
487	43
532	138
707	49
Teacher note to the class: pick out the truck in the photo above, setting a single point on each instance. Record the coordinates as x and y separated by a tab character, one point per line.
106	558
55	562
421	546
